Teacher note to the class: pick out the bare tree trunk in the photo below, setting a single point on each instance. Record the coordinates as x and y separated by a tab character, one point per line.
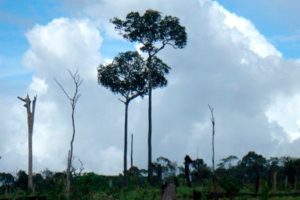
213	145
30	123
274	185
131	154
73	101
70	153
296	182
30	183
286	182
68	187
125	142
187	162
257	183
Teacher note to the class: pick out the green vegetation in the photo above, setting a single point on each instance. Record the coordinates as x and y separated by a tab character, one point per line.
236	180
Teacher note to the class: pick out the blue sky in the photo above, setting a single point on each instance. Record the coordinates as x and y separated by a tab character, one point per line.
16	18
253	86
276	20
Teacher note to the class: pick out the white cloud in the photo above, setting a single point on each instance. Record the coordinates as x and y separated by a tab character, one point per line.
38	86
63	43
282	107
250	35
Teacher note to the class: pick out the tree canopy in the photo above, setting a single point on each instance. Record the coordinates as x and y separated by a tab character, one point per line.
152	30
127	75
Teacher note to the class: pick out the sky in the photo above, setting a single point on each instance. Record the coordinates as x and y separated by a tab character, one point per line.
242	57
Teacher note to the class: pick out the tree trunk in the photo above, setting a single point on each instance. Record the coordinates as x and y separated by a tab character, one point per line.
150	169
257	183
213	146
187	174
73	101
213	155
30	183
296	182
274	185
125	142
286	182
30	123
131	154
30	133
70	153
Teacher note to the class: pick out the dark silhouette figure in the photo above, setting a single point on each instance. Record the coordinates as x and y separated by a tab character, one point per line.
187	162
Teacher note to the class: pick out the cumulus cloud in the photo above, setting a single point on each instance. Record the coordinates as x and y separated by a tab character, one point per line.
38	86
226	63
63	43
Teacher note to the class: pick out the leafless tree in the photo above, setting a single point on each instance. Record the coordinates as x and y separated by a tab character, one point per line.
212	119
81	168
73	101
30	122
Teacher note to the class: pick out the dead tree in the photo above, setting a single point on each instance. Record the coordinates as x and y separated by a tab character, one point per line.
30	122
73	101
187	162
213	144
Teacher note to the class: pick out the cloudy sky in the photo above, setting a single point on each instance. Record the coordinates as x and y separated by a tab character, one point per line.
242	57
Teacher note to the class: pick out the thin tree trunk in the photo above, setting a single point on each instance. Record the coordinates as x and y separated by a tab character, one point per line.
125	142
257	183
296	182
274	185
30	183
73	101
131	154
213	155
70	154
213	146
286	182
30	123
150	169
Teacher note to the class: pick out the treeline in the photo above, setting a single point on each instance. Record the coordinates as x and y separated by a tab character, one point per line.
252	174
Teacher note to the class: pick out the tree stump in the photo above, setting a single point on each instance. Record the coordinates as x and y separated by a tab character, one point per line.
169	193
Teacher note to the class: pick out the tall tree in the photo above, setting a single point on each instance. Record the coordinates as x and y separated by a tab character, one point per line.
227	162
30	121
124	76
154	33
254	164
273	167
127	76
73	102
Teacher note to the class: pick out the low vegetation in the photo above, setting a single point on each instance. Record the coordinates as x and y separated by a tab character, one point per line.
252	177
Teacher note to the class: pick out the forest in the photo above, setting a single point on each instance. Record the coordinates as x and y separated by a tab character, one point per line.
134	74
